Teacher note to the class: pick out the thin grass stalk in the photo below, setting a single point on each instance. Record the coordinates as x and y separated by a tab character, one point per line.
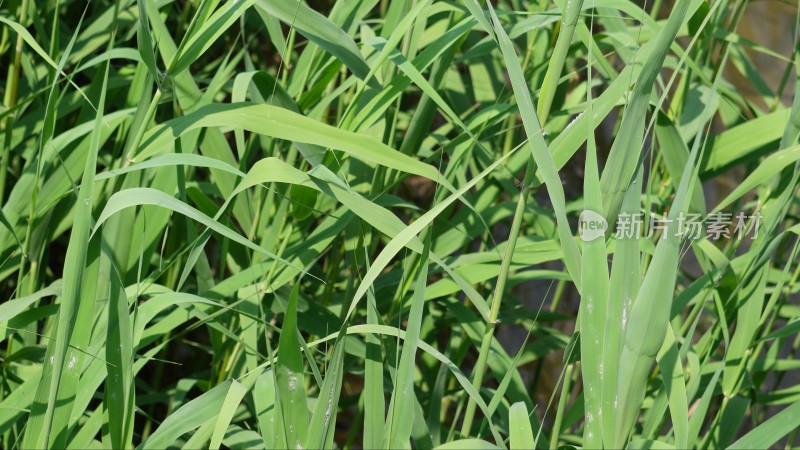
569	19
566	387
505	265
530	172
10	101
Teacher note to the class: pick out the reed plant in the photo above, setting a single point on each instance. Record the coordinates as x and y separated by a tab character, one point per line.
397	224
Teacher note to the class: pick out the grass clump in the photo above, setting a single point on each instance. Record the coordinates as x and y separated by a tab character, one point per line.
374	224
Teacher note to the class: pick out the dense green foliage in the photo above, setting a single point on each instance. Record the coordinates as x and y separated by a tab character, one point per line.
354	224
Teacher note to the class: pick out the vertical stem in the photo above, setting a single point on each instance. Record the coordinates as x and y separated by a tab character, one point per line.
505	265
562	405
12	86
137	138
569	17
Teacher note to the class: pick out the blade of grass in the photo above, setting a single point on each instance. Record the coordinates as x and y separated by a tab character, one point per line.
626	153
399	421
264	399
769	432
569	18
669	362
520	427
40	434
189	417
594	302
226	412
649	316
290	379
120	392
322	32
374	401
207	33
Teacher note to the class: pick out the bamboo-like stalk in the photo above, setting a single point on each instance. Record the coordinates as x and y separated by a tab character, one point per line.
505	265
570	16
